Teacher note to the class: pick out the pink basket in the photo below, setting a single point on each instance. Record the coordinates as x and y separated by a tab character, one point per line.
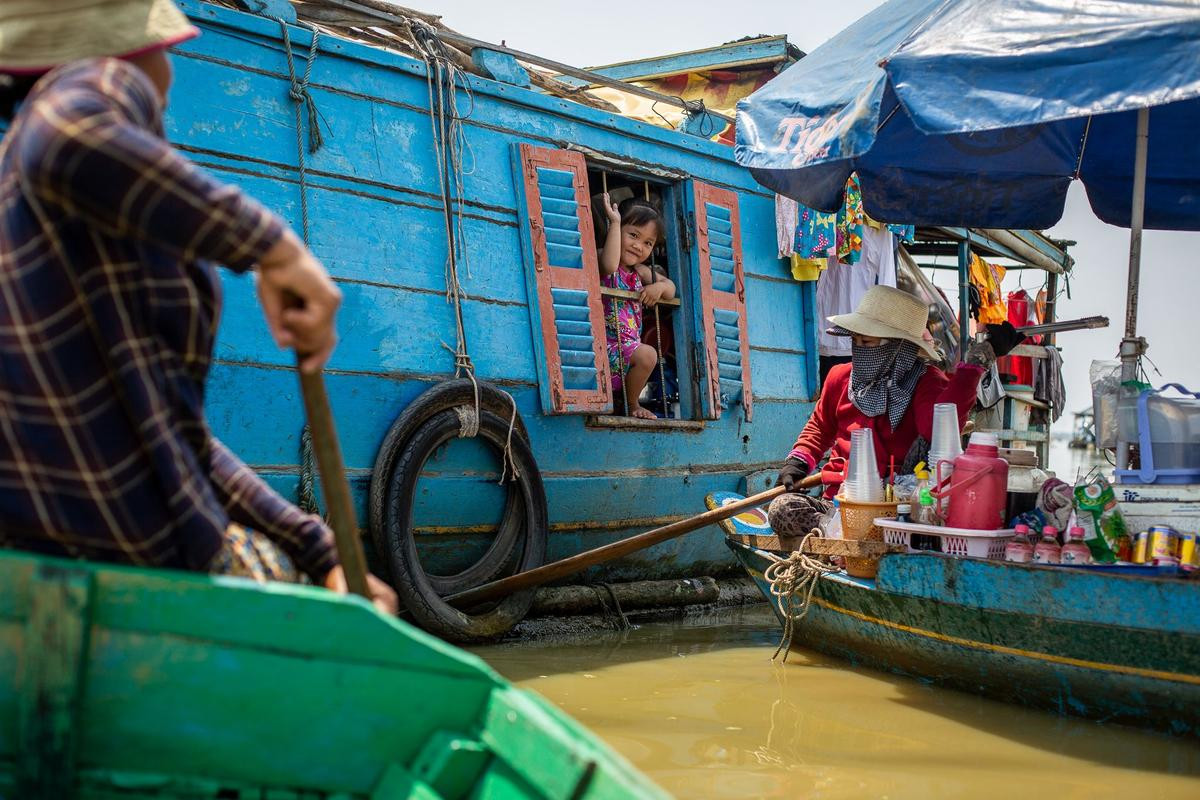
961	542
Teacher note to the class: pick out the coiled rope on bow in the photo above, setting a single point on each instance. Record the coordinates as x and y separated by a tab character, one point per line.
792	577
444	79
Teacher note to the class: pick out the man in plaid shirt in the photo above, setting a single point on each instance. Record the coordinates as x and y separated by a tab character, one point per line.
109	303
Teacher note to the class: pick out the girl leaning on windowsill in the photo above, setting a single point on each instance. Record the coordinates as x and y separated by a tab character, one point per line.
634	228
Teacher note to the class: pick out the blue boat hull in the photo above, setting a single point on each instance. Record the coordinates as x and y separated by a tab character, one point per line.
1105	647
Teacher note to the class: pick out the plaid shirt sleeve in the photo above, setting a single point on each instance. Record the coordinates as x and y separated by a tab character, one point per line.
100	156
250	502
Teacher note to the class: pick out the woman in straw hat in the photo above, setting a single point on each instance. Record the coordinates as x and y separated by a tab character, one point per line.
109	302
889	386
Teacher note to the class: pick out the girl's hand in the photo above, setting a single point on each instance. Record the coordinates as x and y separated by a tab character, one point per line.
652	294
610	210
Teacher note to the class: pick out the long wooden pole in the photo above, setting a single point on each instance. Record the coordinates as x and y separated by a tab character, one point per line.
589	558
328	455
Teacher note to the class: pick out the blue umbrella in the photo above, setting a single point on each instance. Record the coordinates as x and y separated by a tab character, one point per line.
980	113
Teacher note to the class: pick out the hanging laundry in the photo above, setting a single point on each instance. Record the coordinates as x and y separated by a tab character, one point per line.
807	269
816	233
841	285
1048	384
850	223
987	278
786	212
905	233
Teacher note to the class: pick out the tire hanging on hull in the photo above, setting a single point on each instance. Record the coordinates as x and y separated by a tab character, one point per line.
436	417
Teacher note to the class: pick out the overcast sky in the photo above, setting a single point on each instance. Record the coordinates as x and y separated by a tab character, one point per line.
619	30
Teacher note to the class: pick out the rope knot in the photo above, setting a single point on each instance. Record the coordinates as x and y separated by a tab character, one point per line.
468	422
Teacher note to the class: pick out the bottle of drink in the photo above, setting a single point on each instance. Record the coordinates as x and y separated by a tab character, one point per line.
904	512
834	528
1048	550
925	513
922	476
1019	548
1076	551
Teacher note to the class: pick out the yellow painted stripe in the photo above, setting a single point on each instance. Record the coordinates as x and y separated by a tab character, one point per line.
1013	651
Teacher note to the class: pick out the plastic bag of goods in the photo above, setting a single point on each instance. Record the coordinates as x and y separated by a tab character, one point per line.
1106	534
1105	377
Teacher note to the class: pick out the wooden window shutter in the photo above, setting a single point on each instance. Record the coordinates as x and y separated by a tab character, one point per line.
563	279
716	261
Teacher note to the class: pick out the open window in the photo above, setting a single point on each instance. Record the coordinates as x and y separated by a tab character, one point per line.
699	336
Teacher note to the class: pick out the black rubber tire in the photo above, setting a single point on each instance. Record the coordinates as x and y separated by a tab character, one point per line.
417	589
439	397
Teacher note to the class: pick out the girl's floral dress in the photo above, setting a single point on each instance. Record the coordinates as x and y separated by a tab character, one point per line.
622	322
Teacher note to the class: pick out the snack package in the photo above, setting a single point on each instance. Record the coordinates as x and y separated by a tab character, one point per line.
1105	532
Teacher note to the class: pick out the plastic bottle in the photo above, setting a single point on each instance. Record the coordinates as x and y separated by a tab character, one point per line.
1019	549
922	475
1048	550
1076	551
834	528
925	513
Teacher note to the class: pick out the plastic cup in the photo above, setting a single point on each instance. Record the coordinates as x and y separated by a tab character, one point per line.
862	482
947	438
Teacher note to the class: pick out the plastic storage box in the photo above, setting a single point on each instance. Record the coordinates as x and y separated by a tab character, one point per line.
947	541
1167	430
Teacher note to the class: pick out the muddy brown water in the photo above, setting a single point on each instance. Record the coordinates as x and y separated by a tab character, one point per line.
699	707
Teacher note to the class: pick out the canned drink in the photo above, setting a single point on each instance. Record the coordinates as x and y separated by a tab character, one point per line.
1166	562
1187	547
1140	547
1162	542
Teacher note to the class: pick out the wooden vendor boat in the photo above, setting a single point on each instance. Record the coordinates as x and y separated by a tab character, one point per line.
1110	647
121	682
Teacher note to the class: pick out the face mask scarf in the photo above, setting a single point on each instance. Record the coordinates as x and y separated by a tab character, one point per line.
883	378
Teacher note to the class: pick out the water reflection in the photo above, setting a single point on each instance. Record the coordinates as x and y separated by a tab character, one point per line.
700	707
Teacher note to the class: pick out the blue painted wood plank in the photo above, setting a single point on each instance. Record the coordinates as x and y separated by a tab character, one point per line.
777	375
775	315
258	412
382	329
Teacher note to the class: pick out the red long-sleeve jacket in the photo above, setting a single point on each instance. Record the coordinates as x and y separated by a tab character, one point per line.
835	417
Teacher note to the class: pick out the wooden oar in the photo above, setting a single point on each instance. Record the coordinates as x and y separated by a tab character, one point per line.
589	558
328	454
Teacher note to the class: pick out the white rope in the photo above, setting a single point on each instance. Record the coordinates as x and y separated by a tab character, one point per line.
468	422
444	80
790	577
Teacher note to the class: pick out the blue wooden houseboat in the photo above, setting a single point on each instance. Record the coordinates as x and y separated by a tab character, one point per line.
255	96
531	304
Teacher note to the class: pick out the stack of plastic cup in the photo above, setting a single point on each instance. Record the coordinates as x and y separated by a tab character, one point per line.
946	444
862	483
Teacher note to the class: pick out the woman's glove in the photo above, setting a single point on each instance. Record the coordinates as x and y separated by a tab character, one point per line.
793	471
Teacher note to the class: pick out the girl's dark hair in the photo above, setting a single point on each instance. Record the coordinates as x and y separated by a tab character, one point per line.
13	89
639	212
633	211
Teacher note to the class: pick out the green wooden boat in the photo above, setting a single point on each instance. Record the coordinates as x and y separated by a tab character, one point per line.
127	683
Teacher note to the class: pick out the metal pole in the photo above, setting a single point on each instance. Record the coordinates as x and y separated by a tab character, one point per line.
1132	346
964	298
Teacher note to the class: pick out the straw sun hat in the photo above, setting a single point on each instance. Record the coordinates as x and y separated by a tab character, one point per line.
888	313
38	35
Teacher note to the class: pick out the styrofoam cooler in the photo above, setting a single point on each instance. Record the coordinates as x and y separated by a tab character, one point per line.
963	542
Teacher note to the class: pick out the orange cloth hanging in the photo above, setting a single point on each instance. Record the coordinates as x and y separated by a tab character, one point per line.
987	278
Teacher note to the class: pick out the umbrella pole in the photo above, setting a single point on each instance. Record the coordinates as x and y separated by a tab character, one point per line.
964	298
1132	346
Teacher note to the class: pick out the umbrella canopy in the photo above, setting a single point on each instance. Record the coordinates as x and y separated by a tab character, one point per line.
981	112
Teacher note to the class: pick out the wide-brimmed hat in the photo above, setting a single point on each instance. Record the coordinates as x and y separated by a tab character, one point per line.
888	313
38	35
